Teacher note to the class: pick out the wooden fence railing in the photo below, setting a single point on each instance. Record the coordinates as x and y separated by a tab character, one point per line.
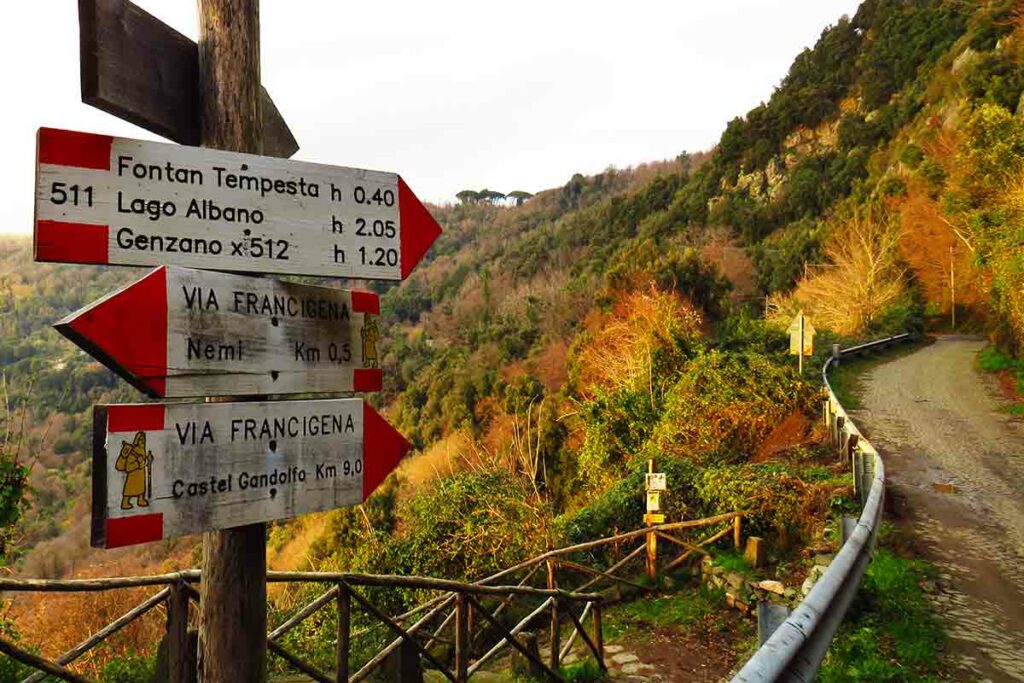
485	617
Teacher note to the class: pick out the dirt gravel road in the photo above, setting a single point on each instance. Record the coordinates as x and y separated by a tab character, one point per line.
938	420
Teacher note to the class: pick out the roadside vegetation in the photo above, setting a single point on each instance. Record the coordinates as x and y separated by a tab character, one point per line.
1010	372
890	632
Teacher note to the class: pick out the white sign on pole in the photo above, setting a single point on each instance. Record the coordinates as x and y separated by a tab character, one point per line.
101	199
182	332
656	481
165	470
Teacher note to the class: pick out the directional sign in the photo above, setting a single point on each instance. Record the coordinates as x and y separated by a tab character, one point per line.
101	199
138	68
166	470
182	332
801	334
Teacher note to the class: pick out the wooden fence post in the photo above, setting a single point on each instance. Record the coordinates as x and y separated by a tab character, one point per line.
651	563
595	616
181	662
461	638
555	645
344	602
736	536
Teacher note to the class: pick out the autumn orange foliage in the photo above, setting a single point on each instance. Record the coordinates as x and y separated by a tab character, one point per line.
618	353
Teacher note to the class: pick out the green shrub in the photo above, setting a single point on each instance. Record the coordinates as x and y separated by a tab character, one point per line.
129	668
464	527
991	360
912	155
893	187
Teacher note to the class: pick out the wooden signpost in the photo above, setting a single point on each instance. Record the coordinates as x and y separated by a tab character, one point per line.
101	199
224	469
181	332
138	68
801	339
166	470
655	483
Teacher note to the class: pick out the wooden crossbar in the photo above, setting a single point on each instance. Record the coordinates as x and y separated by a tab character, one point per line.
605	575
37	662
516	630
388	621
511	639
105	632
615	567
598	655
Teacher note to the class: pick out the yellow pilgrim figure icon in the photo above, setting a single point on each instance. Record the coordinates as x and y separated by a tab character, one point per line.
136	463
370	337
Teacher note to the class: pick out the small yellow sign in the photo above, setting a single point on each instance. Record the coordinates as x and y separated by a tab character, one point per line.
801	321
654	518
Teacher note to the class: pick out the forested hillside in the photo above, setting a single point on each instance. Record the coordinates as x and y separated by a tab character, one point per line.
544	352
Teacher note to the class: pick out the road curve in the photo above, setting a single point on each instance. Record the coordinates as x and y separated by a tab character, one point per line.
936	420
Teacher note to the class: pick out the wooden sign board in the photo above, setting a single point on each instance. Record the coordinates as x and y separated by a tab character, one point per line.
166	470
656	481
795	334
101	199
138	68
181	332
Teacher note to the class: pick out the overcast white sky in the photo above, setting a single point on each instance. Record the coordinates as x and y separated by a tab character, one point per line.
451	94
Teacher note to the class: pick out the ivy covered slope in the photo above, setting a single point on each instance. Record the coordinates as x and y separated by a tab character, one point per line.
547	351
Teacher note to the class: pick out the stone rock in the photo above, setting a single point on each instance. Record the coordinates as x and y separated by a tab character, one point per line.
734	580
772	586
812	578
632	668
625	658
613	648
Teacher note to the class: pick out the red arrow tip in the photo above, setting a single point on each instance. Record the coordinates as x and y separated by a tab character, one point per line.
127	331
383	448
419	229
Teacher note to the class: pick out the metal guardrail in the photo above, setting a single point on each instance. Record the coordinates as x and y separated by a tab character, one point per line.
795	650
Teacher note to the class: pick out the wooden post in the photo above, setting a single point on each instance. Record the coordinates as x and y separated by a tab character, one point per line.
595	616
461	638
800	355
181	664
651	564
736	538
555	645
652	556
952	289
233	625
344	602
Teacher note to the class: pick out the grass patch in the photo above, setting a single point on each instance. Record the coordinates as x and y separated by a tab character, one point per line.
583	672
890	632
991	360
732	561
846	378
679	610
